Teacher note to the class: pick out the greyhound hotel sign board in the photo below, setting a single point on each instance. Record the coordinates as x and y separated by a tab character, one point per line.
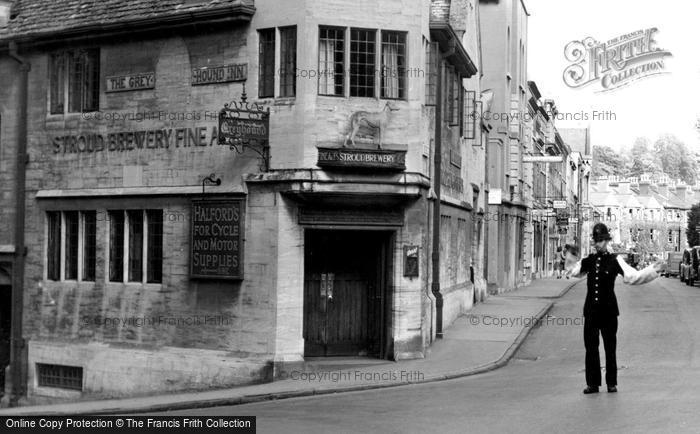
217	239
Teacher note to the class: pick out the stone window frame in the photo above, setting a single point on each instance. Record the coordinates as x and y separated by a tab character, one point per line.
398	39
346	35
469	123
57	267
336	35
266	62
362	75
150	255
431	66
274	81
288	37
70	71
456	104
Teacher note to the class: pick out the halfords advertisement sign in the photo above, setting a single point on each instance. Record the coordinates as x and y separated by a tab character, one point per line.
615	63
217	239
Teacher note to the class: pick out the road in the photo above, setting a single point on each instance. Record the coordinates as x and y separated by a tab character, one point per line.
540	389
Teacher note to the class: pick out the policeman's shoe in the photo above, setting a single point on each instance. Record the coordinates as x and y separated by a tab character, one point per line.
612	389
590	389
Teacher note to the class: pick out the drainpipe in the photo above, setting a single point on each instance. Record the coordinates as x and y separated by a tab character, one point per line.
487	188
18	346
436	205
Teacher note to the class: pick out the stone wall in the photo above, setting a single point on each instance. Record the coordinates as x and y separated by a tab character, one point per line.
9	92
84	316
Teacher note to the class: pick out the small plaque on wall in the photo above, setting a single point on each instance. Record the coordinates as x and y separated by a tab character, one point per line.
377	159
219	74
410	261
124	83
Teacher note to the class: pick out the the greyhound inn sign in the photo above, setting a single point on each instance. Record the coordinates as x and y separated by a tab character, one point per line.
246	125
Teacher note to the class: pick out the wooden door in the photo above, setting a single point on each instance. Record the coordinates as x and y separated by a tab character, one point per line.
5	328
343	297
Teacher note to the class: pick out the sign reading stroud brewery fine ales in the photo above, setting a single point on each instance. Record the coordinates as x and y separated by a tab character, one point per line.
217	239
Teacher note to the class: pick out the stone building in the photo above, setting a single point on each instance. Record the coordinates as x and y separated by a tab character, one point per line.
579	141
541	216
474	139
649	213
8	186
559	182
504	48
167	249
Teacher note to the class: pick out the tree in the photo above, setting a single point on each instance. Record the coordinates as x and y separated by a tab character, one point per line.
668	155
693	222
607	162
638	232
677	161
643	159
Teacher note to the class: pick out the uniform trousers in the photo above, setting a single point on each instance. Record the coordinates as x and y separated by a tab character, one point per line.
593	327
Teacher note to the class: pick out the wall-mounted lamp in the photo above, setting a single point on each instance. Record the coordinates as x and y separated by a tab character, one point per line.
210	180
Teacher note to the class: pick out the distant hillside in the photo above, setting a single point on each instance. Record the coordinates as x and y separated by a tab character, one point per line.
667	155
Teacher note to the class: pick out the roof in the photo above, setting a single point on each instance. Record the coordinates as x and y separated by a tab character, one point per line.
43	18
603	199
613	197
649	202
442	31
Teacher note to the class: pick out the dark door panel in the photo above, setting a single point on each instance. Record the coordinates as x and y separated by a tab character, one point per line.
343	295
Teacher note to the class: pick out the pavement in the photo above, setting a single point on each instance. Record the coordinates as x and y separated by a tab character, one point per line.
539	390
482	340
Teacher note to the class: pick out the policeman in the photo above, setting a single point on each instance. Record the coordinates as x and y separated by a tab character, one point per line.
600	309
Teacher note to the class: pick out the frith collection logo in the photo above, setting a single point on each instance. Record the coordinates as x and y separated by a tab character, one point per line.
615	63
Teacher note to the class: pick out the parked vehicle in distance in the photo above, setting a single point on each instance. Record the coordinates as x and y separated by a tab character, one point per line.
685	266
694	264
673	264
632	258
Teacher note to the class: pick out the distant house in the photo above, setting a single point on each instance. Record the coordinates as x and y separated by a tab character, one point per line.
650	211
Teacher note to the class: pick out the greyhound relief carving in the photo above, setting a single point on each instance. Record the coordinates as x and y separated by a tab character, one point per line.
375	120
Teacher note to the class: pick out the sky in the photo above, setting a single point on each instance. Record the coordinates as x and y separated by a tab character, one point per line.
650	107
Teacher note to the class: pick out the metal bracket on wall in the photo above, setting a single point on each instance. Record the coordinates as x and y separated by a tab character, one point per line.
211	180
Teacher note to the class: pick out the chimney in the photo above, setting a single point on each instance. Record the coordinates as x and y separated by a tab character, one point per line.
623	187
634	183
681	192
440	11
663	187
603	185
5	7
644	186
458	16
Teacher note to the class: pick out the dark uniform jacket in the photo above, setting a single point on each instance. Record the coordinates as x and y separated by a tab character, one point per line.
601	269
